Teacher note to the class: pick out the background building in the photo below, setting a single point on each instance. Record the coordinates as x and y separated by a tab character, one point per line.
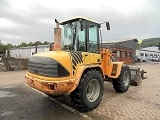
148	54
126	49
17	58
26	52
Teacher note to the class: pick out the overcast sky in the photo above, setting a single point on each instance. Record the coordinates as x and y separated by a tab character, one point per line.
33	20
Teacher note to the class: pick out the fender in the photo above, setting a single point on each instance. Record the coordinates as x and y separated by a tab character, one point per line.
115	69
80	70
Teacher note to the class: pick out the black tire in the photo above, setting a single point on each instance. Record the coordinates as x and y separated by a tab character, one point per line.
122	83
89	92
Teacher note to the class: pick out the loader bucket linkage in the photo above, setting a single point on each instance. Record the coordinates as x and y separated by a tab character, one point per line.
137	76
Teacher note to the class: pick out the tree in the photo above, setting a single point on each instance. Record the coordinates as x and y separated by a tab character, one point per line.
23	44
3	47
38	43
46	43
30	44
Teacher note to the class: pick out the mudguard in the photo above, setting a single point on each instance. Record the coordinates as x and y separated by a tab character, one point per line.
115	69
79	72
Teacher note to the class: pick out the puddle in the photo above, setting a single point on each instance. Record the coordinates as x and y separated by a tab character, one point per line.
6	94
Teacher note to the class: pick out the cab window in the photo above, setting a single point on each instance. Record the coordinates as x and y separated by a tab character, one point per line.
93	38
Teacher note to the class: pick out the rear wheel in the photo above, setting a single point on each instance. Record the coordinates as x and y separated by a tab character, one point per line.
122	83
89	92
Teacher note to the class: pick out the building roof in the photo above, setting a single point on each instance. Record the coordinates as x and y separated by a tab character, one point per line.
129	44
119	41
78	17
151	49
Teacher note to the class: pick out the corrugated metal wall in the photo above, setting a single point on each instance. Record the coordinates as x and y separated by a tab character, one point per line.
43	49
27	52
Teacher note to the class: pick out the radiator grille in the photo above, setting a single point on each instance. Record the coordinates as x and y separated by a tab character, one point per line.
43	66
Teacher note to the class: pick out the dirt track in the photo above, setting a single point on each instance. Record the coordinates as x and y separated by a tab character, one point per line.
142	102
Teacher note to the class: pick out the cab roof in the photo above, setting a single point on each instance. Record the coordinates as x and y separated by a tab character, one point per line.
78	17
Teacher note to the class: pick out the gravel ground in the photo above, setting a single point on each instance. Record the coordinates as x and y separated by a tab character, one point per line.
139	102
12	78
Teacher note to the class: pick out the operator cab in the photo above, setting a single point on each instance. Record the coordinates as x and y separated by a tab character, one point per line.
80	34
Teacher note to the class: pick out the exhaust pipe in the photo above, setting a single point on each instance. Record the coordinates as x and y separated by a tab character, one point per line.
57	37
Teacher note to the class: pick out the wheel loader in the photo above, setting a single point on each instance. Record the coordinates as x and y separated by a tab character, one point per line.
78	66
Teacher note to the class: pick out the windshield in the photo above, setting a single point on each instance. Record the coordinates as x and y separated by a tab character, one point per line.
73	36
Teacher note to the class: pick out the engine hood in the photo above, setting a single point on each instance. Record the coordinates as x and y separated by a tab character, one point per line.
62	57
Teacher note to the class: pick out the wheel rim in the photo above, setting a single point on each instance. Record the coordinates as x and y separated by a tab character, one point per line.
93	90
126	78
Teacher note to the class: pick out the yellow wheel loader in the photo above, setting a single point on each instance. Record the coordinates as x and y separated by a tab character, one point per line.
78	65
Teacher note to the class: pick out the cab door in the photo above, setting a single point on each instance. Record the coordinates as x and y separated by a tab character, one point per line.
93	43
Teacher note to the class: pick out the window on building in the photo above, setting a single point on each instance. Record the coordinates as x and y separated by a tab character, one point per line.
121	54
124	54
151	54
146	54
155	54
118	54
142	54
130	54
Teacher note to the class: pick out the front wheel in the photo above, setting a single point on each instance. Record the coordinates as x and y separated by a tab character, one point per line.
122	83
89	92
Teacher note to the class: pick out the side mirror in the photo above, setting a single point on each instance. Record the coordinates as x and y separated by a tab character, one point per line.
99	25
107	25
